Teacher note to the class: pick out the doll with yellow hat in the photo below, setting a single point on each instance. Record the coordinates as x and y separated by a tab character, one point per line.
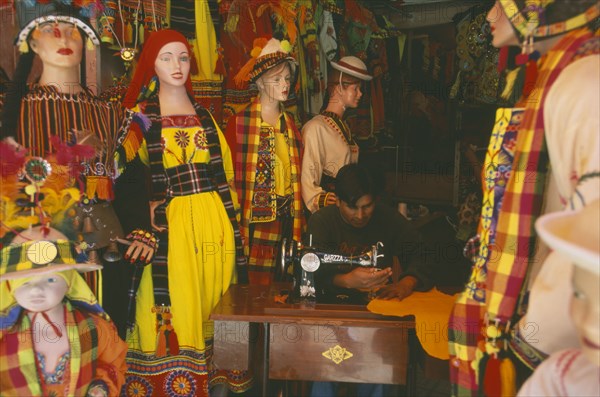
55	340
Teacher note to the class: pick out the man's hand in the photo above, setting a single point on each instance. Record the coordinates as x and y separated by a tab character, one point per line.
400	290
363	278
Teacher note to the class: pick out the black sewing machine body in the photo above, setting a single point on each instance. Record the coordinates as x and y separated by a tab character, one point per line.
306	260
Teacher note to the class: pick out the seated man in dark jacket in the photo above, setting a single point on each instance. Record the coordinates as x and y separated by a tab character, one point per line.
353	226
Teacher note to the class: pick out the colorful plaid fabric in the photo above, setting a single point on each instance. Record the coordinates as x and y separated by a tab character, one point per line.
516	237
190	178
18	370
466	320
504	257
247	125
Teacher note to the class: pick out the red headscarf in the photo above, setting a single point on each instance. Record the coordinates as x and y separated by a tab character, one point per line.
144	70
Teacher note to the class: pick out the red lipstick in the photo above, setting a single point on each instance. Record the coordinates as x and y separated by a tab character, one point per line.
65	51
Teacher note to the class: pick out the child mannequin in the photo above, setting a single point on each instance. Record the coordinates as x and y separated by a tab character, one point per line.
54	337
574	372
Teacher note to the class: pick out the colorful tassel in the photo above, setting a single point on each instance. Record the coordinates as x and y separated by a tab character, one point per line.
89	44
508	376
173	343
24	47
161	344
492	386
511	78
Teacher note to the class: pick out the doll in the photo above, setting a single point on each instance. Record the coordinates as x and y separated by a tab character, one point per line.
575	371
55	340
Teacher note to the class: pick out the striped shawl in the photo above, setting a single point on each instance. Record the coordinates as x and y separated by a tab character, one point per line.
247	133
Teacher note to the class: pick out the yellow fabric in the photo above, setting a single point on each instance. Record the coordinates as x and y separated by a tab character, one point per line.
201	253
283	172
205	49
431	310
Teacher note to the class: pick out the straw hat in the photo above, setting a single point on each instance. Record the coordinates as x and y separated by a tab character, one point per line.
575	235
353	66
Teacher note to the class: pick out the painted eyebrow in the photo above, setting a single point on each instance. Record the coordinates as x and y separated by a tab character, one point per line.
170	53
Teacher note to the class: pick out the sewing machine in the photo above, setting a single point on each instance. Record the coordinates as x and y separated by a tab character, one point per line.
305	260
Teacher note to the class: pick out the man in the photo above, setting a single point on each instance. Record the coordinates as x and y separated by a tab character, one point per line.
354	224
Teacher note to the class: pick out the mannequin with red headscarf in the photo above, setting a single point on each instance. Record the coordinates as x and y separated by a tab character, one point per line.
192	211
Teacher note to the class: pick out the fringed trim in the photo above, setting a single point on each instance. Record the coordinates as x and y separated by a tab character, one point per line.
132	142
99	186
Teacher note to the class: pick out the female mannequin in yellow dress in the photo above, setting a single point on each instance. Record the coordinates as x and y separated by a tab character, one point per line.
192	211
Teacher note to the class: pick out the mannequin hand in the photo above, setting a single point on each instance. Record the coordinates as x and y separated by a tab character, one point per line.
331	198
153	206
400	290
363	278
139	251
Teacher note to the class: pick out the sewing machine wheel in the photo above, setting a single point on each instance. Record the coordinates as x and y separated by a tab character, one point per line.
285	255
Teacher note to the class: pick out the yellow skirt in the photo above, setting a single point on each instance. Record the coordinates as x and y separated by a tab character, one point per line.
201	262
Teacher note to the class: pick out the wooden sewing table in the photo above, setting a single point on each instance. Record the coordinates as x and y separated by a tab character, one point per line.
320	342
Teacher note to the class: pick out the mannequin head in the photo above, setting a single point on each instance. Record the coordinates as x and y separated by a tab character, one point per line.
538	20
345	83
275	83
59	45
166	56
40	293
172	64
576	236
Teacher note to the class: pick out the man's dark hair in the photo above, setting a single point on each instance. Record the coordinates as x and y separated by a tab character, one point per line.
352	182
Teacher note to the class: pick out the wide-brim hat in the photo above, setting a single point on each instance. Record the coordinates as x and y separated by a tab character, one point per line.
574	234
30	16
543	18
33	253
352	66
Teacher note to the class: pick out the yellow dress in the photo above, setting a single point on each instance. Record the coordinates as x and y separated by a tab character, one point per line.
201	266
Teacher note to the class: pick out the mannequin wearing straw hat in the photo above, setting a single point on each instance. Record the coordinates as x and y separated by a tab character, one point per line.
575	236
328	142
54	337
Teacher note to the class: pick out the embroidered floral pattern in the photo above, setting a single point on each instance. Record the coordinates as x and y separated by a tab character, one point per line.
136	386
182	139
200	140
180	383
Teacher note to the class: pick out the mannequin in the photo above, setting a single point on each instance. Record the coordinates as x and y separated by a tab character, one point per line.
554	126
267	149
328	140
57	112
43	295
192	211
575	371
